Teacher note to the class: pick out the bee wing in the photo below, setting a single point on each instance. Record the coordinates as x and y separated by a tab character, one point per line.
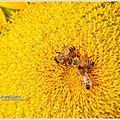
83	80
90	82
88	78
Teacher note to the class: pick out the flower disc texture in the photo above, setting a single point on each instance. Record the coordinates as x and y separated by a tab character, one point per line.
28	46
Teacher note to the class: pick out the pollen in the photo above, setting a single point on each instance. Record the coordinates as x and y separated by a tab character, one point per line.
28	46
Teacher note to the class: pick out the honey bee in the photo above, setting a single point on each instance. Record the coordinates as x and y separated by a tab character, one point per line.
85	79
76	62
65	55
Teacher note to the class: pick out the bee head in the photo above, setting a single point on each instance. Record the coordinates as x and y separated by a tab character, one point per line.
59	58
72	49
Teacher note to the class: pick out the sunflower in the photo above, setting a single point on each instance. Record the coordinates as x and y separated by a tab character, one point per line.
28	69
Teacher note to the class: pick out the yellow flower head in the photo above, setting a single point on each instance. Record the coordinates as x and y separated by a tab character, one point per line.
28	69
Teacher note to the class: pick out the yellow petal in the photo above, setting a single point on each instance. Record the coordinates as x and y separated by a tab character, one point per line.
118	5
2	16
14	5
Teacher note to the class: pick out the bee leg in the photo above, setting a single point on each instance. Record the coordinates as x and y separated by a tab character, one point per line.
78	54
58	52
81	83
70	61
78	73
64	46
